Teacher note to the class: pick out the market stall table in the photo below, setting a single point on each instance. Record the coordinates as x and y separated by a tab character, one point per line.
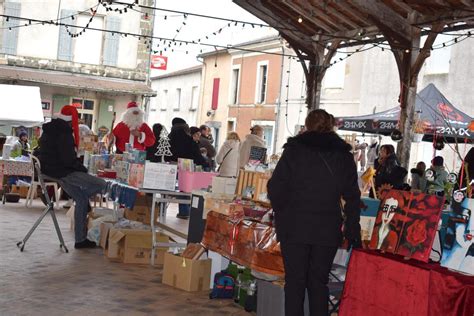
386	284
10	167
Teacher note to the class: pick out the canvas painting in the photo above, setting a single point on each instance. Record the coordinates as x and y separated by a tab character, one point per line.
458	241
406	223
368	213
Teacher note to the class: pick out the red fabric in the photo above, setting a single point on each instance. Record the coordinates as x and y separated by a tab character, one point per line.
69	110
132	104
386	284
122	136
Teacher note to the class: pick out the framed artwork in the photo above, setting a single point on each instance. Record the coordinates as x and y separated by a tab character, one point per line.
406	223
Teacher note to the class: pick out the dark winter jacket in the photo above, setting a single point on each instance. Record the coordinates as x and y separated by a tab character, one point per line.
306	194
205	143
183	146
57	152
390	172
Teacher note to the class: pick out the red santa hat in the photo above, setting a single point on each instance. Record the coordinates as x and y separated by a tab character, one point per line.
132	104
69	114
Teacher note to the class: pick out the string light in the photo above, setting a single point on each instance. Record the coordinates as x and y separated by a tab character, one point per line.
300	20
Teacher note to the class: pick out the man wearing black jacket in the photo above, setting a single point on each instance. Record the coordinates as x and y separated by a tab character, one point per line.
315	171
59	160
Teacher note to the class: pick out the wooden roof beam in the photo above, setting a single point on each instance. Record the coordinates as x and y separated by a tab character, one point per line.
286	29
319	14
306	16
345	19
349	11
387	20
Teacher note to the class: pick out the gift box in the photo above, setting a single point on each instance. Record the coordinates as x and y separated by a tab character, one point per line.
190	181
99	162
122	168
135	175
107	173
136	156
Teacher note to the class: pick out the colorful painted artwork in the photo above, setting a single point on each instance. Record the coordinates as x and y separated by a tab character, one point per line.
406	223
368	213
458	241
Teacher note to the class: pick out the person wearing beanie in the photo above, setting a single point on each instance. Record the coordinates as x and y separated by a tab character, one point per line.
22	144
440	180
133	130
58	156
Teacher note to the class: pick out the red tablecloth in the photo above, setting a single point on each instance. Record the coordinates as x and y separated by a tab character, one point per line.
385	284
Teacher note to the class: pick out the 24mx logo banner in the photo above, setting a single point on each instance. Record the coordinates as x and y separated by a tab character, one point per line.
453	131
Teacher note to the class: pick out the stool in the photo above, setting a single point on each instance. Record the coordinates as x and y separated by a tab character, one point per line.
49	209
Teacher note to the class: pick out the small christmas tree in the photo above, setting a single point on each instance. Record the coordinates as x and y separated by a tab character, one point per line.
164	146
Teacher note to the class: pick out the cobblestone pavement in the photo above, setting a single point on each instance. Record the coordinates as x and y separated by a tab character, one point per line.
43	280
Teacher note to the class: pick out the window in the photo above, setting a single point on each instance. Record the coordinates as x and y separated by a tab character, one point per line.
177	104
46	105
88	46
261	91
10	36
65	41
268	129
438	62
111	42
87	110
194	98
234	93
164	100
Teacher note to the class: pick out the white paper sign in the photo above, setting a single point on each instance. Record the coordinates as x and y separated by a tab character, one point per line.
195	203
160	176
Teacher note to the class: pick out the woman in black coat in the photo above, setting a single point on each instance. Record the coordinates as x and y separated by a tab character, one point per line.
388	169
316	170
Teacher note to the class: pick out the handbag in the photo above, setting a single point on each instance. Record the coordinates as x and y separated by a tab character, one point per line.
223	159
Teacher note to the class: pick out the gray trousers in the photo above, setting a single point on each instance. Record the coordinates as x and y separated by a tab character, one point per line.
81	186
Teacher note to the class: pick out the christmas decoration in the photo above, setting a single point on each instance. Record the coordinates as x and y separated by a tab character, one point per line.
438	144
164	146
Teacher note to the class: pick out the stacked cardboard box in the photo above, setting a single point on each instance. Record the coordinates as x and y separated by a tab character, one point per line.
130	245
141	211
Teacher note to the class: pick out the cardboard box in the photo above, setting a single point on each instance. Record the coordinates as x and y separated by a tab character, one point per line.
22	190
160	176
135	175
141	211
186	274
134	246
219	203
104	233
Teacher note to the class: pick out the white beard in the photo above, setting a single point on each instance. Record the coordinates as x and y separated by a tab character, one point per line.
133	121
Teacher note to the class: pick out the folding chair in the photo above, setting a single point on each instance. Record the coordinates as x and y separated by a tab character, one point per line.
49	208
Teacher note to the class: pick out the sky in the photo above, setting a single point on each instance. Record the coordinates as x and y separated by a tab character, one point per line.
197	27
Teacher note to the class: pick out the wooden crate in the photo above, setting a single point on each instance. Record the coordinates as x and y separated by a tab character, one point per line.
257	181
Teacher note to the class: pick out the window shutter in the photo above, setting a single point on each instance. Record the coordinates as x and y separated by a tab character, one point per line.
10	37
65	41
215	94
111	43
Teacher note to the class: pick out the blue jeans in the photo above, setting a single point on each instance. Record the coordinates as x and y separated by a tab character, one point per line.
80	186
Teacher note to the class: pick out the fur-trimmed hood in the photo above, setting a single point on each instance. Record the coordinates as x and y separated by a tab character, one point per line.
323	141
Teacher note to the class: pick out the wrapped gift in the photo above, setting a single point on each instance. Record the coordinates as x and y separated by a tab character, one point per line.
135	175
136	156
190	181
122	168
99	162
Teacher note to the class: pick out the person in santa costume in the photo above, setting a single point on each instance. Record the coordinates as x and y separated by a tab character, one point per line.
58	156
133	130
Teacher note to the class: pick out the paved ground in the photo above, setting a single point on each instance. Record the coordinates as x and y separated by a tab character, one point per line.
45	281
